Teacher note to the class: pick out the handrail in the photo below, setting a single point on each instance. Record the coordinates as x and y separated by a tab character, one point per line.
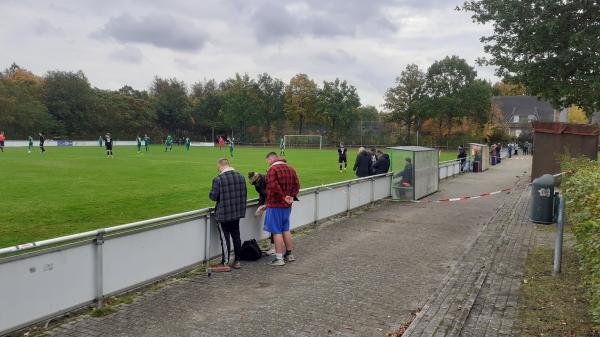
203	211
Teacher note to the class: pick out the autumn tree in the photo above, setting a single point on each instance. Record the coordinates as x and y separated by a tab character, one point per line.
171	103
271	93
240	102
509	89
551	47
445	80
68	97
577	115
300	100
404	100
206	105
337	104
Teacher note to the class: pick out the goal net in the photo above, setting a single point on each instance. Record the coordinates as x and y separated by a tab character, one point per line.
313	141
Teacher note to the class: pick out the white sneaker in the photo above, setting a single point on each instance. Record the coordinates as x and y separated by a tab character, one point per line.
289	257
277	262
270	251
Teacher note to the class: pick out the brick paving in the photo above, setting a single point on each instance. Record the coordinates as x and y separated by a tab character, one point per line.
480	296
360	276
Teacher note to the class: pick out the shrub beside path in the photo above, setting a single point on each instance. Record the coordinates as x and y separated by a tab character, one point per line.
359	276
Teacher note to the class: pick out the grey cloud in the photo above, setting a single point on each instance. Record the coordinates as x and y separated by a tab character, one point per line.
164	31
274	23
339	57
43	27
128	55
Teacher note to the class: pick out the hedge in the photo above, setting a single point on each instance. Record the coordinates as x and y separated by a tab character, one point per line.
581	189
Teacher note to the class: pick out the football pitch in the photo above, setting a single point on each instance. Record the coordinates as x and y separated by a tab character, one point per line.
74	189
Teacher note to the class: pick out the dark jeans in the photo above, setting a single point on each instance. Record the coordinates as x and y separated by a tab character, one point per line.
231	229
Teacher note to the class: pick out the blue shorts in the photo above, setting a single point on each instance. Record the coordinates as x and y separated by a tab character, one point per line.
277	220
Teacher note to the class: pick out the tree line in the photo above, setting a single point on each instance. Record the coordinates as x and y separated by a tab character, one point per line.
444	101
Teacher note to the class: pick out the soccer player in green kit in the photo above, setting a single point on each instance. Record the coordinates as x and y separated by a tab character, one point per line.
30	139
231	142
188	143
169	143
100	140
139	143
146	142
282	147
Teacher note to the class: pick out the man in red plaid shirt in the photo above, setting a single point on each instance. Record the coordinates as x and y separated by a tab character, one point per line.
282	188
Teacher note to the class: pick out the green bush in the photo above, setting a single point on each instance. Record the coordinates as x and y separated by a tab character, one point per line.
581	188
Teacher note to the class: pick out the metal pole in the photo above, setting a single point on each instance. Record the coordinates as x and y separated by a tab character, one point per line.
372	191
316	206
348	188
559	236
207	243
99	241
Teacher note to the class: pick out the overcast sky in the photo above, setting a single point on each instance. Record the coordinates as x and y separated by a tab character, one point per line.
118	42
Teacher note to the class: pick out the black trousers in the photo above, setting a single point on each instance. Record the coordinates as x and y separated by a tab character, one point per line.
231	232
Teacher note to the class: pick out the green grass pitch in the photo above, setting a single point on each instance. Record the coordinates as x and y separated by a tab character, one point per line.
69	190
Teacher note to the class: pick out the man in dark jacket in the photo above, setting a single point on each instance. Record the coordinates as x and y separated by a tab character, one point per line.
382	165
259	181
462	156
230	194
363	163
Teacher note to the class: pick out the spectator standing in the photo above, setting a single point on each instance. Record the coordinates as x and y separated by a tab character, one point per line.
498	150
282	188
382	165
229	193
462	156
510	150
363	163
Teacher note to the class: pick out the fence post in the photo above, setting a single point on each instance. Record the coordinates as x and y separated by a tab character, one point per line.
316	205
558	242
372	191
348	188
207	243
99	241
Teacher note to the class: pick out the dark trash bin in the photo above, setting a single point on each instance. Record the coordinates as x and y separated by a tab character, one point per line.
542	199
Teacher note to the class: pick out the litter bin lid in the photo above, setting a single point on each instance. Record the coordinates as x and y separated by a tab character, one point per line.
546	179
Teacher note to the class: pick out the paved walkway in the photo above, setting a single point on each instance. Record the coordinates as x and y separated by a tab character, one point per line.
361	276
479	297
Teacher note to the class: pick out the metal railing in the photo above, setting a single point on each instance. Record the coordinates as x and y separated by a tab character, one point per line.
47	278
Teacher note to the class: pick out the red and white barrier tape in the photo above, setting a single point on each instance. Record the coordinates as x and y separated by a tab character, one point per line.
447	200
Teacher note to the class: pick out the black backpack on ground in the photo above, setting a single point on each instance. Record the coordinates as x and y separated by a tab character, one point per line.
250	251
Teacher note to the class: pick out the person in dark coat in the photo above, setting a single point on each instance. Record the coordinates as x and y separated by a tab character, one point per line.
403	188
382	165
259	181
229	192
363	163
462	156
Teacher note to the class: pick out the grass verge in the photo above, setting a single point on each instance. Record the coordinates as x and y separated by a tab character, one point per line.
553	305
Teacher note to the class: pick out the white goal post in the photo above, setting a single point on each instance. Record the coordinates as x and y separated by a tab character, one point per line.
303	141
